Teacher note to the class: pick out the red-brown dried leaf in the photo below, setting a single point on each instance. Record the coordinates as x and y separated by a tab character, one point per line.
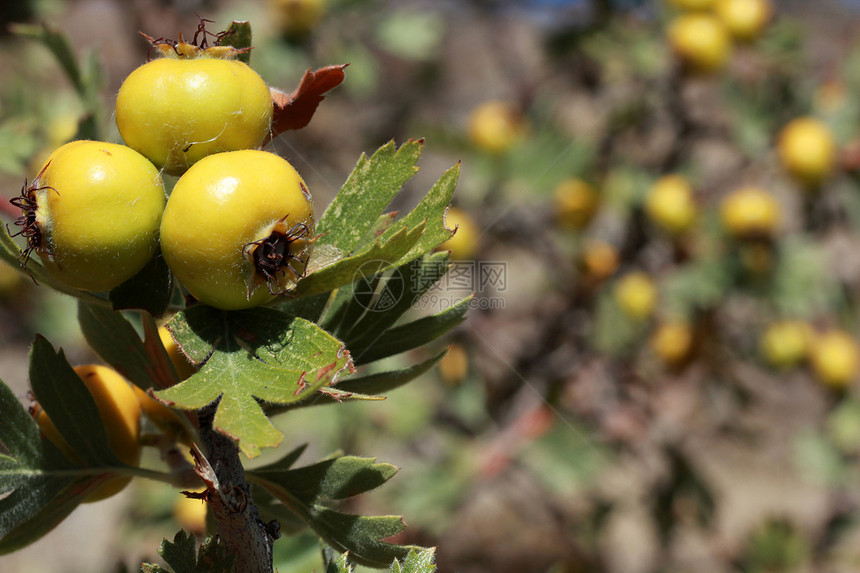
295	110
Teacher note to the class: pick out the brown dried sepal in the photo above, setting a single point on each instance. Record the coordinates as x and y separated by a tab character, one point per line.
295	110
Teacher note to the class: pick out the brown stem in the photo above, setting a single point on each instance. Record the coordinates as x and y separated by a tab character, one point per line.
240	528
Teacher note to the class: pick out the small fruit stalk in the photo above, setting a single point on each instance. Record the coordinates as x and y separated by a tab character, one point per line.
238	229
92	214
192	101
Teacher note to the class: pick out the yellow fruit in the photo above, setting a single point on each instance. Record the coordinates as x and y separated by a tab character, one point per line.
692	5
120	412
464	244
785	344
190	513
700	41
454	366
749	212
672	341
575	203
238	228
807	150
744	19
599	260
180	362
298	18
835	358
636	294
496	126
670	204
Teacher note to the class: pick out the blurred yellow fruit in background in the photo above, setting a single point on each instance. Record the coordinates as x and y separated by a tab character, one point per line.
120	413
700	41
693	5
298	18
785	343
575	203
670	204
454	366
464	244
190	514
636	294
599	260
807	150
835	358
750	211
744	19
672	341
496	126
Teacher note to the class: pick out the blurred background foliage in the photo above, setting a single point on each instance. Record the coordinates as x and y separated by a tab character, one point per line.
663	376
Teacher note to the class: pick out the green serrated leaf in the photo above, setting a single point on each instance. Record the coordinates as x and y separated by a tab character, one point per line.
422	561
302	489
339	565
251	355
413	334
183	557
335	479
148	290
416	278
238	35
365	387
368	190
371	260
70	406
38	486
430	211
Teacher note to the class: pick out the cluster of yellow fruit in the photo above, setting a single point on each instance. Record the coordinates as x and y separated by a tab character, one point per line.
120	405
833	354
703	33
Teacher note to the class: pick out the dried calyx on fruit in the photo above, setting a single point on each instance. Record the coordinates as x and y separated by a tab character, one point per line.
238	229
192	101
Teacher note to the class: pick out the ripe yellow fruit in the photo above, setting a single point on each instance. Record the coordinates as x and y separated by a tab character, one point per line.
672	341
636	294
670	204
454	366
575	203
700	41
693	5
599	260
190	513
835	358
238	228
807	150
744	19
120	412
464	244
92	214
192	103
749	212
496	126
785	343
